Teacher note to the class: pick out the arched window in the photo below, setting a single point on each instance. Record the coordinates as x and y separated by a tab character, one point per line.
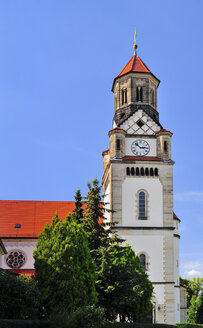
124	96
137	171
151	172
143	261
128	171
132	171
156	172
142	205
142	171
147	171
139	95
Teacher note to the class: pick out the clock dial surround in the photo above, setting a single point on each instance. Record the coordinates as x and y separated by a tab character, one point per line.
140	147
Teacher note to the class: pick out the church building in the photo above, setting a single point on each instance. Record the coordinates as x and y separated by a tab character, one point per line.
138	184
138	192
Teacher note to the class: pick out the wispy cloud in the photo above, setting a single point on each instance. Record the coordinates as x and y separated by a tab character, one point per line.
192	269
190	196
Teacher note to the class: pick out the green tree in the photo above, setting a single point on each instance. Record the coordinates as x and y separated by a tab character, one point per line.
20	297
98	232
64	268
192	313
199	316
78	211
194	287
123	286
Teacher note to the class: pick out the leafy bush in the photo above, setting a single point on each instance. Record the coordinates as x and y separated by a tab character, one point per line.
136	325
188	325
89	316
20	297
4	323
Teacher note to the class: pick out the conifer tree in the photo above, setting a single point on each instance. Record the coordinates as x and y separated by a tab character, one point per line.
199	316
78	211
98	232
64	267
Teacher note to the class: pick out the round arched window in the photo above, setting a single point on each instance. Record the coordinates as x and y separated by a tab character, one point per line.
15	259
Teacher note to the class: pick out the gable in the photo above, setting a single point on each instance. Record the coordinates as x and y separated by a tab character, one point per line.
140	123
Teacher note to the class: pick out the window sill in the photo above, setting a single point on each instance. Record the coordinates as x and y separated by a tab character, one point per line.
142	217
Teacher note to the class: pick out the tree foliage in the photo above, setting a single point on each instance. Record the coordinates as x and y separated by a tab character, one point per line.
194	287
20	297
192	313
78	211
63	264
199	316
123	286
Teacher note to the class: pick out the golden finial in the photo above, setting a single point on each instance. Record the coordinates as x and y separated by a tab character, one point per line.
135	45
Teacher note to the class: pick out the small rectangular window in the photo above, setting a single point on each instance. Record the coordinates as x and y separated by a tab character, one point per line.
165	146
118	145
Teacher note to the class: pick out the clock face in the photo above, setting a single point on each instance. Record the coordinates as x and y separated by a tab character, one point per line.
140	147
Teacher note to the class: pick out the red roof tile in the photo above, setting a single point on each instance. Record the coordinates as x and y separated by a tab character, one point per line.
28	272
105	151
135	64
31	215
163	130
117	129
142	158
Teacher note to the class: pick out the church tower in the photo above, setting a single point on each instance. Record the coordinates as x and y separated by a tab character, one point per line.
138	184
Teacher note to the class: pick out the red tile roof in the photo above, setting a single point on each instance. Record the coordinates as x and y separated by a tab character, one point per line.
105	151
31	215
28	272
135	64
141	158
163	130
117	128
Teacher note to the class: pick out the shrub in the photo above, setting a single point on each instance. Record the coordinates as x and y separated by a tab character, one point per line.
4	323
89	316
188	325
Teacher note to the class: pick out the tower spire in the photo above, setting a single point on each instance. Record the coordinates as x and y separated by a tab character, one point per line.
135	45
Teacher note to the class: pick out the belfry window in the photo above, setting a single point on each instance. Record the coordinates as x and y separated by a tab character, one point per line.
124	96
142	171
118	144
151	172
165	146
156	172
143	261
139	94
152	97
132	171
128	171
137	171
142	205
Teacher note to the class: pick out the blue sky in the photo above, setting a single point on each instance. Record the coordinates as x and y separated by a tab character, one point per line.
57	64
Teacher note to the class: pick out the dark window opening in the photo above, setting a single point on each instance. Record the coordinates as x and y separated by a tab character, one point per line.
132	171
128	171
151	172
143	261
122	115
140	123
156	172
165	146
137	171
118	144
152	97
142	171
17	225
139	95
147	171
124	96
142	206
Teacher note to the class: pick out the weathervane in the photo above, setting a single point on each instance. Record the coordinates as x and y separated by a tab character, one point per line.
135	45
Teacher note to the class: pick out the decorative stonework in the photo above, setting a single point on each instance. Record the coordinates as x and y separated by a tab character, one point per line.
15	259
